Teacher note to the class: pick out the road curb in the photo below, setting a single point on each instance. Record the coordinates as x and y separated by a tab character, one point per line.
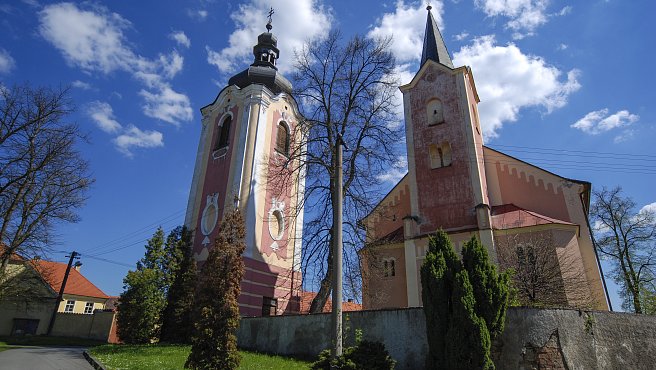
93	361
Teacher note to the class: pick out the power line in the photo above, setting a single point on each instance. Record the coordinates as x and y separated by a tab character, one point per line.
110	261
614	154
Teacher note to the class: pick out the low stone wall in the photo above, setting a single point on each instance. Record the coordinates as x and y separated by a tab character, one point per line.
97	326
402	331
533	338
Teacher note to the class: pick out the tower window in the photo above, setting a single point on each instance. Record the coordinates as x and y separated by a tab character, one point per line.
435	112
389	268
440	155
224	134
282	139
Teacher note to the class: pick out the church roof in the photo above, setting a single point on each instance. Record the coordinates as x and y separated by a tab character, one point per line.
434	46
510	216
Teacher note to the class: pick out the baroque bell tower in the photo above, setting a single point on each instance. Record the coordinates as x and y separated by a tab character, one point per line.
247	131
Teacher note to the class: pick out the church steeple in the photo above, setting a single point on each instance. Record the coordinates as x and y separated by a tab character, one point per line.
264	71
434	47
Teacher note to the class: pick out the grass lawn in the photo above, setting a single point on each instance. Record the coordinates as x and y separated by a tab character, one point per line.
164	357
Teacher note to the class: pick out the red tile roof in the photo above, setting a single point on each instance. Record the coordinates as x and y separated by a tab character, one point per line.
53	274
509	216
309	296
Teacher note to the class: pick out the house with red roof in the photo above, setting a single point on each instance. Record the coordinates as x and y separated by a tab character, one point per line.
30	289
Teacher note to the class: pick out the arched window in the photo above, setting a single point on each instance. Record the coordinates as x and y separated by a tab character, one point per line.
282	139
224	134
435	112
440	156
446	153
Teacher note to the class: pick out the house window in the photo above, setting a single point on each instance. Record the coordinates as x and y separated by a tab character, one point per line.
224	134
435	112
269	306
282	139
88	308
446	153
389	268
69	306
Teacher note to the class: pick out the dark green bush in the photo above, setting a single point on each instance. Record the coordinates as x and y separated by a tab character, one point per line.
366	355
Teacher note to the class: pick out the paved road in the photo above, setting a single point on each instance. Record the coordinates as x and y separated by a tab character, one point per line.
44	358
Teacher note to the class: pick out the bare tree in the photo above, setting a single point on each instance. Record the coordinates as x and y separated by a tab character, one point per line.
625	237
544	275
346	90
43	178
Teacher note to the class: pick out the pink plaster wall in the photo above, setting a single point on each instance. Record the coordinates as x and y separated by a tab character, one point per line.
543	195
380	291
445	195
216	177
388	215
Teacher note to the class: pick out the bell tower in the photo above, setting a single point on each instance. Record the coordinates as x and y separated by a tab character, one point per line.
247	132
445	144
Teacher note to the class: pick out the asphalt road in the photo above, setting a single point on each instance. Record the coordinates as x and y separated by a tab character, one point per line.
44	358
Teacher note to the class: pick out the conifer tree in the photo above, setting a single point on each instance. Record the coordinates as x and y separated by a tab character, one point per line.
176	319
456	322
216	311
143	298
437	278
491	289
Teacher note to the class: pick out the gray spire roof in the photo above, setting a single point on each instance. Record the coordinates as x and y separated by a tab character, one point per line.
434	47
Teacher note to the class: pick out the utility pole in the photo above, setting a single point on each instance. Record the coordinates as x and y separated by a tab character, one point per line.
338	197
74	255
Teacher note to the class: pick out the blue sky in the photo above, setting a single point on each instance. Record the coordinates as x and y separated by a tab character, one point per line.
564	85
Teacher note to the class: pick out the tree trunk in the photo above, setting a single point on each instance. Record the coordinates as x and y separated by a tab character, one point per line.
319	301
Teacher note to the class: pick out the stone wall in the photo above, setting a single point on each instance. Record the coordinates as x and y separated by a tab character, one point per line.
97	326
533	338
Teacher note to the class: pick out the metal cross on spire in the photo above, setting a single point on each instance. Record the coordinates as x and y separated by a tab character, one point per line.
269	26
428	6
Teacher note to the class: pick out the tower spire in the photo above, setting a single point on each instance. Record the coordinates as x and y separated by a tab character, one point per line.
434	46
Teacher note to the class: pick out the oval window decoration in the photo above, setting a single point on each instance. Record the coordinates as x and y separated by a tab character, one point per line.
210	214
276	224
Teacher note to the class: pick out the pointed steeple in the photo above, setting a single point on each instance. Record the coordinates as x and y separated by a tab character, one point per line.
434	47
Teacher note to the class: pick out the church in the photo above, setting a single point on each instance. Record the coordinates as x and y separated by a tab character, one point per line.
457	184
454	183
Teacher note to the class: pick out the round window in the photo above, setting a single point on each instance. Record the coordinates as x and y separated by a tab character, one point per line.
276	224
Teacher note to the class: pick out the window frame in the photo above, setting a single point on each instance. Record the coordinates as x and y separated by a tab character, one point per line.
88	308
223	137
287	144
69	307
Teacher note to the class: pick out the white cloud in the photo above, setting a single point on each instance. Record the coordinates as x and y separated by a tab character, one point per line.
294	22
597	122
81	85
524	15
171	64
197	14
406	25
508	80
103	115
649	208
134	137
167	105
562	47
93	39
396	173
7	63
565	10
461	36
126	138
180	38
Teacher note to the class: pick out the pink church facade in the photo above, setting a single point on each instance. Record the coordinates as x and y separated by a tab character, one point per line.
457	184
247	132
